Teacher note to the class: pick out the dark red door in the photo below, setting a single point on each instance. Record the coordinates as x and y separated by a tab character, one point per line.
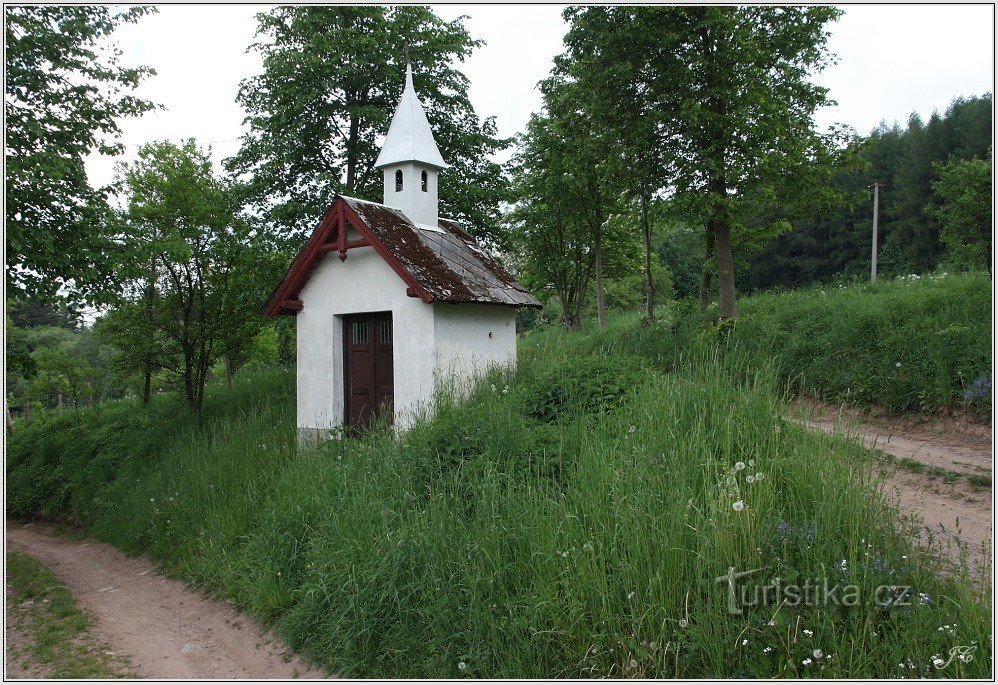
368	367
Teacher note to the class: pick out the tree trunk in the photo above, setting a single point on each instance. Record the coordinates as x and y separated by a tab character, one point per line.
58	402
600	292
725	270
147	384
352	139
228	370
7	417
705	273
649	283
26	413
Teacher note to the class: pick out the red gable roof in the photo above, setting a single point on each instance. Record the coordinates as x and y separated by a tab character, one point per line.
445	265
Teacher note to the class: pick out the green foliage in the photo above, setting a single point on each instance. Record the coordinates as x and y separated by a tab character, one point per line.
516	548
196	269
627	293
715	104
836	240
331	79
65	94
909	344
965	197
580	387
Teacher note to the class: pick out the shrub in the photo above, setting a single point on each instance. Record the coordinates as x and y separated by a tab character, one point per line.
580	386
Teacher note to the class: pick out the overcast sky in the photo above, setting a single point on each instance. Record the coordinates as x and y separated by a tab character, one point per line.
892	60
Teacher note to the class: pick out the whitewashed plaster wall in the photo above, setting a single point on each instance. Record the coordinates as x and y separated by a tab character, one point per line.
419	205
363	283
471	338
431	342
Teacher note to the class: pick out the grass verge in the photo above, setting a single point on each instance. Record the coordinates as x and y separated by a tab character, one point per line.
48	635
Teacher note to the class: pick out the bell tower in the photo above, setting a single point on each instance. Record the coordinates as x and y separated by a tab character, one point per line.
410	161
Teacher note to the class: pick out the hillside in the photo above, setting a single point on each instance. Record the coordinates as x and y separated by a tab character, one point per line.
569	520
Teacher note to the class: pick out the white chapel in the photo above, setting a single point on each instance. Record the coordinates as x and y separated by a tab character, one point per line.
392	300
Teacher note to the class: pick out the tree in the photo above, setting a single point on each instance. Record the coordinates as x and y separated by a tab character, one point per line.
831	242
197	271
65	93
608	57
331	79
726	100
965	196
76	368
561	221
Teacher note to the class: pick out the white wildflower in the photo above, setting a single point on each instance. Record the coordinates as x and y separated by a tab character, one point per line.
739	465
461	666
806	662
744	642
809	633
750	479
767	650
818	653
738	506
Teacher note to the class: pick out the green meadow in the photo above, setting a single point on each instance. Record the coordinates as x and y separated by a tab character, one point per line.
571	519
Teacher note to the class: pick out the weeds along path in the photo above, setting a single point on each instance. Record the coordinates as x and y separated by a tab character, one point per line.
940	470
167	629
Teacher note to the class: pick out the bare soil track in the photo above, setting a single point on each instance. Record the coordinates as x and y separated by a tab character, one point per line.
942	472
166	629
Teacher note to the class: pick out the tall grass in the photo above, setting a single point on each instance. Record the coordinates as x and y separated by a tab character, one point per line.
920	343
570	519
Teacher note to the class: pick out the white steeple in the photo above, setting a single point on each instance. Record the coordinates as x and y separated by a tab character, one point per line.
410	160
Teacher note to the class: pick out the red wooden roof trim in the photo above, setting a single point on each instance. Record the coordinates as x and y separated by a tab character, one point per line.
317	247
296	276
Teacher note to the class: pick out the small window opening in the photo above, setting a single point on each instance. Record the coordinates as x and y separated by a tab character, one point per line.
360	333
398	181
426	178
386	330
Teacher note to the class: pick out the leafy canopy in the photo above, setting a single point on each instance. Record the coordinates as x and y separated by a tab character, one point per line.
331	79
64	94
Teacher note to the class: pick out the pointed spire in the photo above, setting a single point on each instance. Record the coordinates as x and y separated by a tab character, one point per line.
410	138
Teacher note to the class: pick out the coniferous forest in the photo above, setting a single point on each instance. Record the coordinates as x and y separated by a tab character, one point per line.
906	160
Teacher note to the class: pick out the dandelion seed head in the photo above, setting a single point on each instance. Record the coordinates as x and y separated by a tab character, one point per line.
738	506
739	465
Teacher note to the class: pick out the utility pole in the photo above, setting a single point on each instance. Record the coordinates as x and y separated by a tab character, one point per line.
876	214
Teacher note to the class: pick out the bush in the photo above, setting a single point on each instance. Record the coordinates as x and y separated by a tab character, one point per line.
580	386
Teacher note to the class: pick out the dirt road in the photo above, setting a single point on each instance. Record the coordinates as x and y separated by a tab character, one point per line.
942	472
166	629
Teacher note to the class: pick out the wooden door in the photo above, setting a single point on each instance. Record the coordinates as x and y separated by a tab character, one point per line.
368	368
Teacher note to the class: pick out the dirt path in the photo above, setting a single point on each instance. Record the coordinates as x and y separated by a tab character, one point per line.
166	629
942	472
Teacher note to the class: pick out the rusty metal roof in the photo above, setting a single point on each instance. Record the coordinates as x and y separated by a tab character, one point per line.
450	265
